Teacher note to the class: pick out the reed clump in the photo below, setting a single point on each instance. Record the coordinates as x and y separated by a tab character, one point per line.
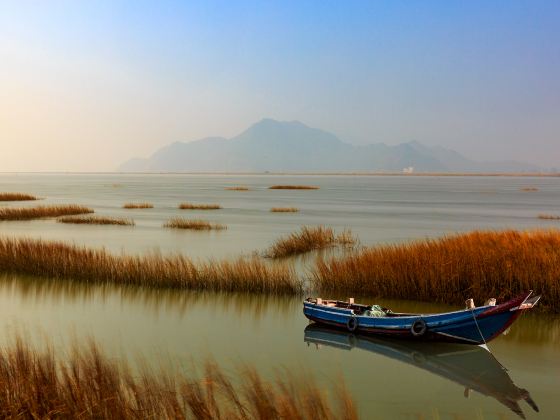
240	188
549	217
85	383
6	196
284	209
309	239
29	213
62	261
96	220
475	265
293	187
194	224
529	189
138	206
191	206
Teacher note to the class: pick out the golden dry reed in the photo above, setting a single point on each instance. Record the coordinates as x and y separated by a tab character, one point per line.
28	213
96	220
549	217
293	187
6	196
284	209
529	189
475	265
241	188
87	384
63	261
191	206
138	206
309	239
194	224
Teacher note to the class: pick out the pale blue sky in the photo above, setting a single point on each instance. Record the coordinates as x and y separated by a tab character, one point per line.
84	85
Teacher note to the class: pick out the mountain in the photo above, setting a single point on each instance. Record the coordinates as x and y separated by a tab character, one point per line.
280	146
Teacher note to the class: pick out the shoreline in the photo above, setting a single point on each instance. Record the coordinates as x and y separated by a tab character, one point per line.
298	173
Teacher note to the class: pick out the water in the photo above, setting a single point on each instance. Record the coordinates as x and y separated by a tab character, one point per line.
378	209
387	379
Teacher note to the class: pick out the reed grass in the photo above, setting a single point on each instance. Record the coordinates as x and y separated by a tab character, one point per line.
85	383
293	187
62	261
29	213
529	189
549	217
96	220
240	188
6	196
194	224
138	206
309	239
475	265
284	209
191	206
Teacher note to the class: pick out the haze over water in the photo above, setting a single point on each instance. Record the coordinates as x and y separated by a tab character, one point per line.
387	379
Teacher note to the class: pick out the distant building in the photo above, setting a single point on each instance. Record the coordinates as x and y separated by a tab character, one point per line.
408	170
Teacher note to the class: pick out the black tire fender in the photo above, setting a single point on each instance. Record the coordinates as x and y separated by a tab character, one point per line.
418	328
352	323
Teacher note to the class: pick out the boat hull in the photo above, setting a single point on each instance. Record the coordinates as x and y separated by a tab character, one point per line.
472	326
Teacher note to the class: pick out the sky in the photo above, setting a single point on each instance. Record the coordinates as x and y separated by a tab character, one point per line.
86	85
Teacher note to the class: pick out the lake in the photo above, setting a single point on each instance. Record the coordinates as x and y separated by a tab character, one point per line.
388	379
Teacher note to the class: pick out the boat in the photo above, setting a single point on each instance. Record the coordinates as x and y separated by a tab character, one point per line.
472	367
473	325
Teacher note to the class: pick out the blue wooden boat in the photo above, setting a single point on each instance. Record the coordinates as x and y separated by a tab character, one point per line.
471	367
475	325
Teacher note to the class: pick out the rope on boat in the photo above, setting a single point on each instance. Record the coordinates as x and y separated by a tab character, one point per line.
485	345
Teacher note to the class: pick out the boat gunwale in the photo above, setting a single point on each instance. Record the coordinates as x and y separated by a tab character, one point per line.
416	315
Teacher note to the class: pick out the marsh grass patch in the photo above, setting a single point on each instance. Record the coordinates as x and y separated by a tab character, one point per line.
86	383
96	220
479	265
193	224
38	212
193	206
138	206
309	239
284	210
7	196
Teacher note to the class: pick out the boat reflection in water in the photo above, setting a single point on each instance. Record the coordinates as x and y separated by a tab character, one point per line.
471	366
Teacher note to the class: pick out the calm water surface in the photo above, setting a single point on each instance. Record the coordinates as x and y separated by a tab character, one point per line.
378	209
388	379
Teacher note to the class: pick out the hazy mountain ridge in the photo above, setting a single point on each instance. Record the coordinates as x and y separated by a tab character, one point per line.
279	146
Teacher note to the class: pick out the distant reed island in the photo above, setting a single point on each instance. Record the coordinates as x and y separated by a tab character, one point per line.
284	210
193	224
16	197
192	206
39	382
549	216
448	270
240	188
138	206
95	220
30	213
